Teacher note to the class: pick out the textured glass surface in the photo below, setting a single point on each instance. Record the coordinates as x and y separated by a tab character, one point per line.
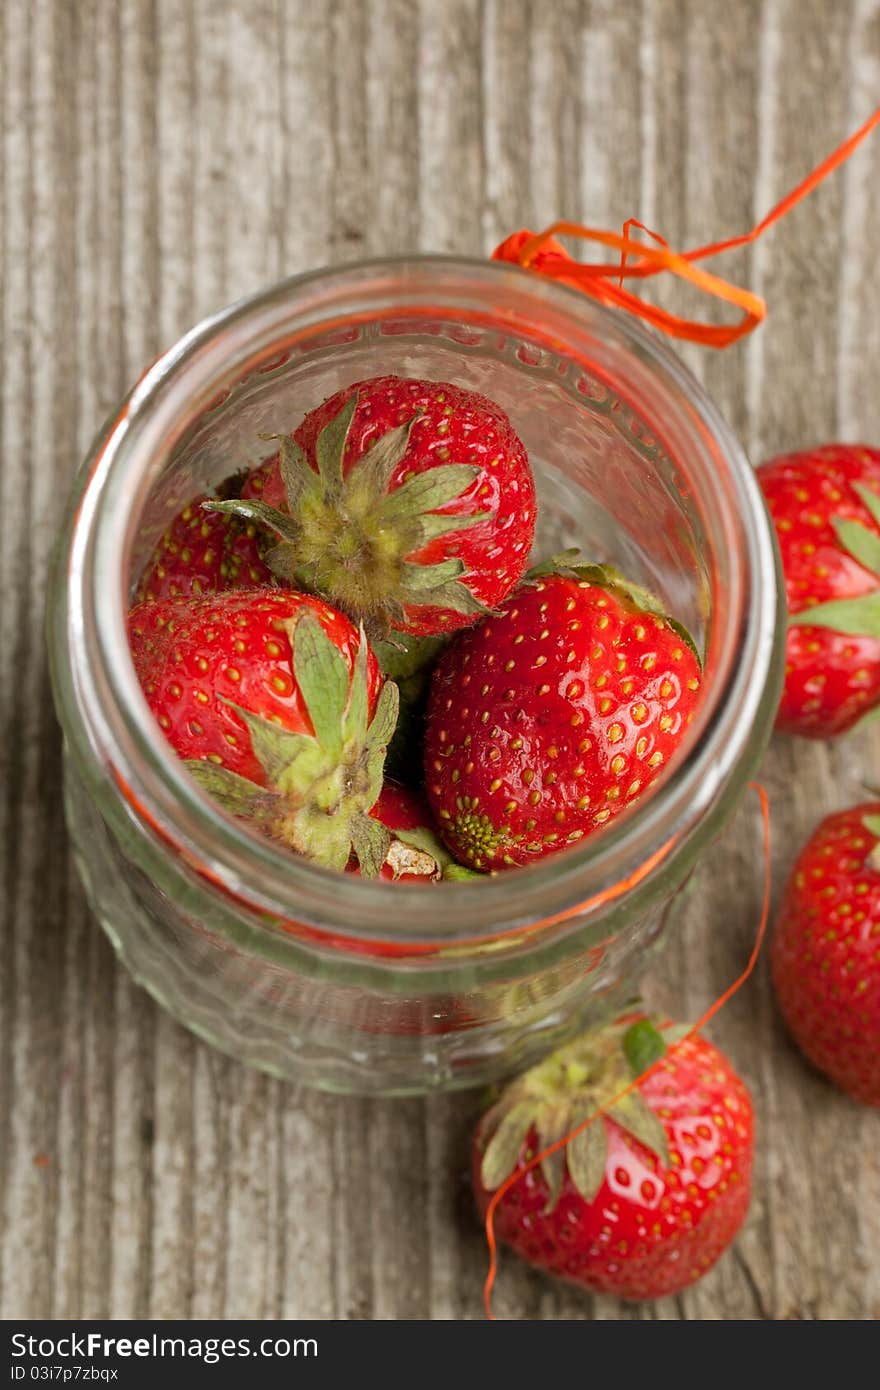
287	994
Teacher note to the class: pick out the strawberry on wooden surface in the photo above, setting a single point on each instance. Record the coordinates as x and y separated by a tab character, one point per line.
825	506
408	504
277	705
647	1197
553	715
826	951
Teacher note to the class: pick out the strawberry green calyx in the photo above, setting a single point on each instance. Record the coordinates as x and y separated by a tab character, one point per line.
872	825
853	617
320	786
571	563
349	538
577	1082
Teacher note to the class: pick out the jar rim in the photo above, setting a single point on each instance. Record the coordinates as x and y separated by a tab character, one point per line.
114	719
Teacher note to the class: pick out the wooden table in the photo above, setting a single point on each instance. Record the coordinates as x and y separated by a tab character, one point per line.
163	157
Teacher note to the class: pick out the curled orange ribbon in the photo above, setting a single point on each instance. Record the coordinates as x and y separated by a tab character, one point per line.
541	252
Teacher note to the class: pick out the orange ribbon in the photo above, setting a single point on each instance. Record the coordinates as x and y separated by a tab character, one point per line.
541	252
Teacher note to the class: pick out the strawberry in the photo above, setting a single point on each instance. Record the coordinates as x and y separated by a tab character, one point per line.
202	553
825	954
551	716
415	853
409	505
825	505
276	705
644	1200
411	856
253	483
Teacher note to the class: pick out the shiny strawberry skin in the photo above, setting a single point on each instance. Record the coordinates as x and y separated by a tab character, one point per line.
548	719
254	482
832	679
203	553
193	655
453	426
649	1232
825	952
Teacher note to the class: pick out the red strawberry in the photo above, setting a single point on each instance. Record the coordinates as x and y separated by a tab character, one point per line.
826	951
202	553
411	855
642	1202
254	482
551	716
275	703
825	505
410	505
415	853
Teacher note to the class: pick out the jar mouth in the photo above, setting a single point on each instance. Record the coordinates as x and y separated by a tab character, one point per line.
114	721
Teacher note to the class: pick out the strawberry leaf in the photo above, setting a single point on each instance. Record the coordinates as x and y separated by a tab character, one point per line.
853	617
277	750
554	1124
685	636
425	492
458	872
872	825
384	720
862	544
296	474
634	1115
372	473
870	499
643	1045
323	678
502	1151
237	795
456	596
330	447
370	842
586	1155
556	564
433	524
354	723
259	512
417	579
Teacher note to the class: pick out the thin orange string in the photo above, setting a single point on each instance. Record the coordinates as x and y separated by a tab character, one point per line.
542	253
510	1181
655	236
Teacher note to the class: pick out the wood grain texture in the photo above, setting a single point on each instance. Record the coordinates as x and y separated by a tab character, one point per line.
163	157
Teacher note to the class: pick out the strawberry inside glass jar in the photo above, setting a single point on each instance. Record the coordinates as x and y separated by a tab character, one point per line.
295	964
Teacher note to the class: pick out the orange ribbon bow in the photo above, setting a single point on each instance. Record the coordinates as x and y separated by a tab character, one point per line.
541	252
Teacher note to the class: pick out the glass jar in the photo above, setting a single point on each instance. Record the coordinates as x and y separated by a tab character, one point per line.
383	987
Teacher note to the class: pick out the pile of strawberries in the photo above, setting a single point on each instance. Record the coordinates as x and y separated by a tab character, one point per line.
360	602
347	648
